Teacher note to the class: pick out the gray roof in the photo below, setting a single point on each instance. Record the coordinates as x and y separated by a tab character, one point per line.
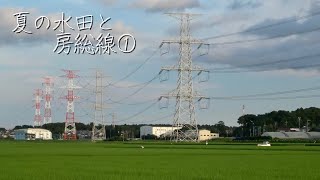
293	135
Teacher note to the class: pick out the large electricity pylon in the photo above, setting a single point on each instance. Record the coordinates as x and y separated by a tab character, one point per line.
70	125
184	117
99	129
37	115
48	83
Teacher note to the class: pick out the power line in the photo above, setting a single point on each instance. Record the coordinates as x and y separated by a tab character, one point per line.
84	109
293	19
154	120
137	103
137	68
137	91
135	85
138	113
132	104
276	98
265	38
270	63
266	94
274	69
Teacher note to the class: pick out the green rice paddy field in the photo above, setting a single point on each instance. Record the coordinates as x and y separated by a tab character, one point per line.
86	160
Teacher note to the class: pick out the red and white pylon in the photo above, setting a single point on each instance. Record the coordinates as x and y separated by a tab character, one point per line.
37	115
70	132
48	85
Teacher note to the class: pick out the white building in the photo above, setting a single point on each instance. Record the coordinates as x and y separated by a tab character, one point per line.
207	135
156	130
32	134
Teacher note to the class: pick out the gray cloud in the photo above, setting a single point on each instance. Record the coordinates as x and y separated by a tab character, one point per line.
108	2
240	55
243	55
165	5
239	4
295	24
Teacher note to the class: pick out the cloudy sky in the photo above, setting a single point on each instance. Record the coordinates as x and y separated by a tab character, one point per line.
256	47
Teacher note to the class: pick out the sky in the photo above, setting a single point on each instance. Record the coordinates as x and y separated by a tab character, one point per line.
256	47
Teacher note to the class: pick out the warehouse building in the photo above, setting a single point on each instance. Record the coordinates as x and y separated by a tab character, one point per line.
292	135
32	134
157	130
205	135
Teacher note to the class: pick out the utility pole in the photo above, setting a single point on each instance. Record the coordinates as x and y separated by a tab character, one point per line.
99	127
112	125
243	113
184	117
70	132
37	115
48	83
253	129
243	110
307	125
299	119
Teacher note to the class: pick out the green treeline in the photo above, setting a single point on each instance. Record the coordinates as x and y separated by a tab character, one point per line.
250	125
279	120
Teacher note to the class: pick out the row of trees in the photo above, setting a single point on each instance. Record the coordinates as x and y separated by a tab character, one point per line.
279	120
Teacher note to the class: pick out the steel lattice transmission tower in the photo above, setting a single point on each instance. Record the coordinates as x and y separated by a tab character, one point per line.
70	125
48	83
99	129
37	115
184	117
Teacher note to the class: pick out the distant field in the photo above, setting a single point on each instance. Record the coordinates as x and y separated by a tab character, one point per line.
117	161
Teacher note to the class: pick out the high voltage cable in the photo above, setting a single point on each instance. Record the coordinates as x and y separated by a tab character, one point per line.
275	98
138	113
137	91
266	94
135	85
136	69
265	70
132	104
120	101
265	38
138	103
153	120
269	63
294	19
80	105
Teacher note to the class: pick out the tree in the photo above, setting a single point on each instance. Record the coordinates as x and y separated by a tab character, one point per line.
221	128
22	127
